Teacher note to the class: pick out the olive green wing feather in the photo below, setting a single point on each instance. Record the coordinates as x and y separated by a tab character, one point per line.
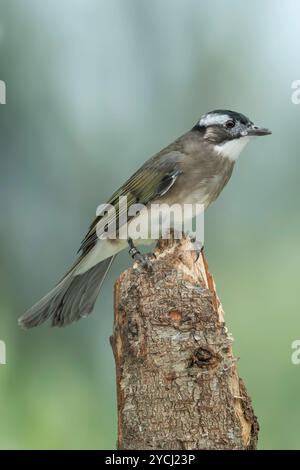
152	180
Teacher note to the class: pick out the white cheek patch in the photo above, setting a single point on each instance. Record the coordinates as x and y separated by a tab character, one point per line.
232	148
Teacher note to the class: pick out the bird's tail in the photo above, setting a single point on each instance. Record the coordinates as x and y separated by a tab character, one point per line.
73	298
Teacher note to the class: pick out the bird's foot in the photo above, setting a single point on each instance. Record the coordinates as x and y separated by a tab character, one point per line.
199	248
143	259
198	253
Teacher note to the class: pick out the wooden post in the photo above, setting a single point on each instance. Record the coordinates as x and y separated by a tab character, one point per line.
177	380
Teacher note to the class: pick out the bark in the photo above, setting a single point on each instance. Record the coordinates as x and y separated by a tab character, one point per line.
177	380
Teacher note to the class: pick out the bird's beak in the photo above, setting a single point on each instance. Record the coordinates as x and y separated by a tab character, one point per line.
257	131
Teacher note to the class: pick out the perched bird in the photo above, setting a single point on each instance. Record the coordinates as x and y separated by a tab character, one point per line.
193	169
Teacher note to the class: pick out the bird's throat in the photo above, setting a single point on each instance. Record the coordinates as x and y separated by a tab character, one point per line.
232	148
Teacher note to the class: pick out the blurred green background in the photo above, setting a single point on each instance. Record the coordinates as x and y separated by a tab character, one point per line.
94	88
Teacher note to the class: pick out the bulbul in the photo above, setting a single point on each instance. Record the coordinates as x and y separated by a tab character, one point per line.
193	169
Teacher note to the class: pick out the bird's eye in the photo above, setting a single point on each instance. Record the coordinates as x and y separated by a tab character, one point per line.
230	124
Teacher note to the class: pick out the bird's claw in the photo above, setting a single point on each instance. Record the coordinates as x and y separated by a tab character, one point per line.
143	259
198	251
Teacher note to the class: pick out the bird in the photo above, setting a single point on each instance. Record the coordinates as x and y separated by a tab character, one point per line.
192	169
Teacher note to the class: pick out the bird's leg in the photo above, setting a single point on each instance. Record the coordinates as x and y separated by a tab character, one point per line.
136	255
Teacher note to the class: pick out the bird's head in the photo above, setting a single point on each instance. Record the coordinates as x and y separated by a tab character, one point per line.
229	131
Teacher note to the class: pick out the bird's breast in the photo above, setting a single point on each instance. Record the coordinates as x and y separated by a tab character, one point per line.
203	179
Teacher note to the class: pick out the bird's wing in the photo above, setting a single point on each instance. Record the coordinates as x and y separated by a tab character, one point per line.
152	180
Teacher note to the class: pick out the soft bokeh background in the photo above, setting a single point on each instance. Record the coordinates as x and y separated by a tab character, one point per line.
94	88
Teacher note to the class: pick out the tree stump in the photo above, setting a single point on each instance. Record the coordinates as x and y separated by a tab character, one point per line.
177	380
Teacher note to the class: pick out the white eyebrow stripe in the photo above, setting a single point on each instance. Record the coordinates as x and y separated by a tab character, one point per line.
213	119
